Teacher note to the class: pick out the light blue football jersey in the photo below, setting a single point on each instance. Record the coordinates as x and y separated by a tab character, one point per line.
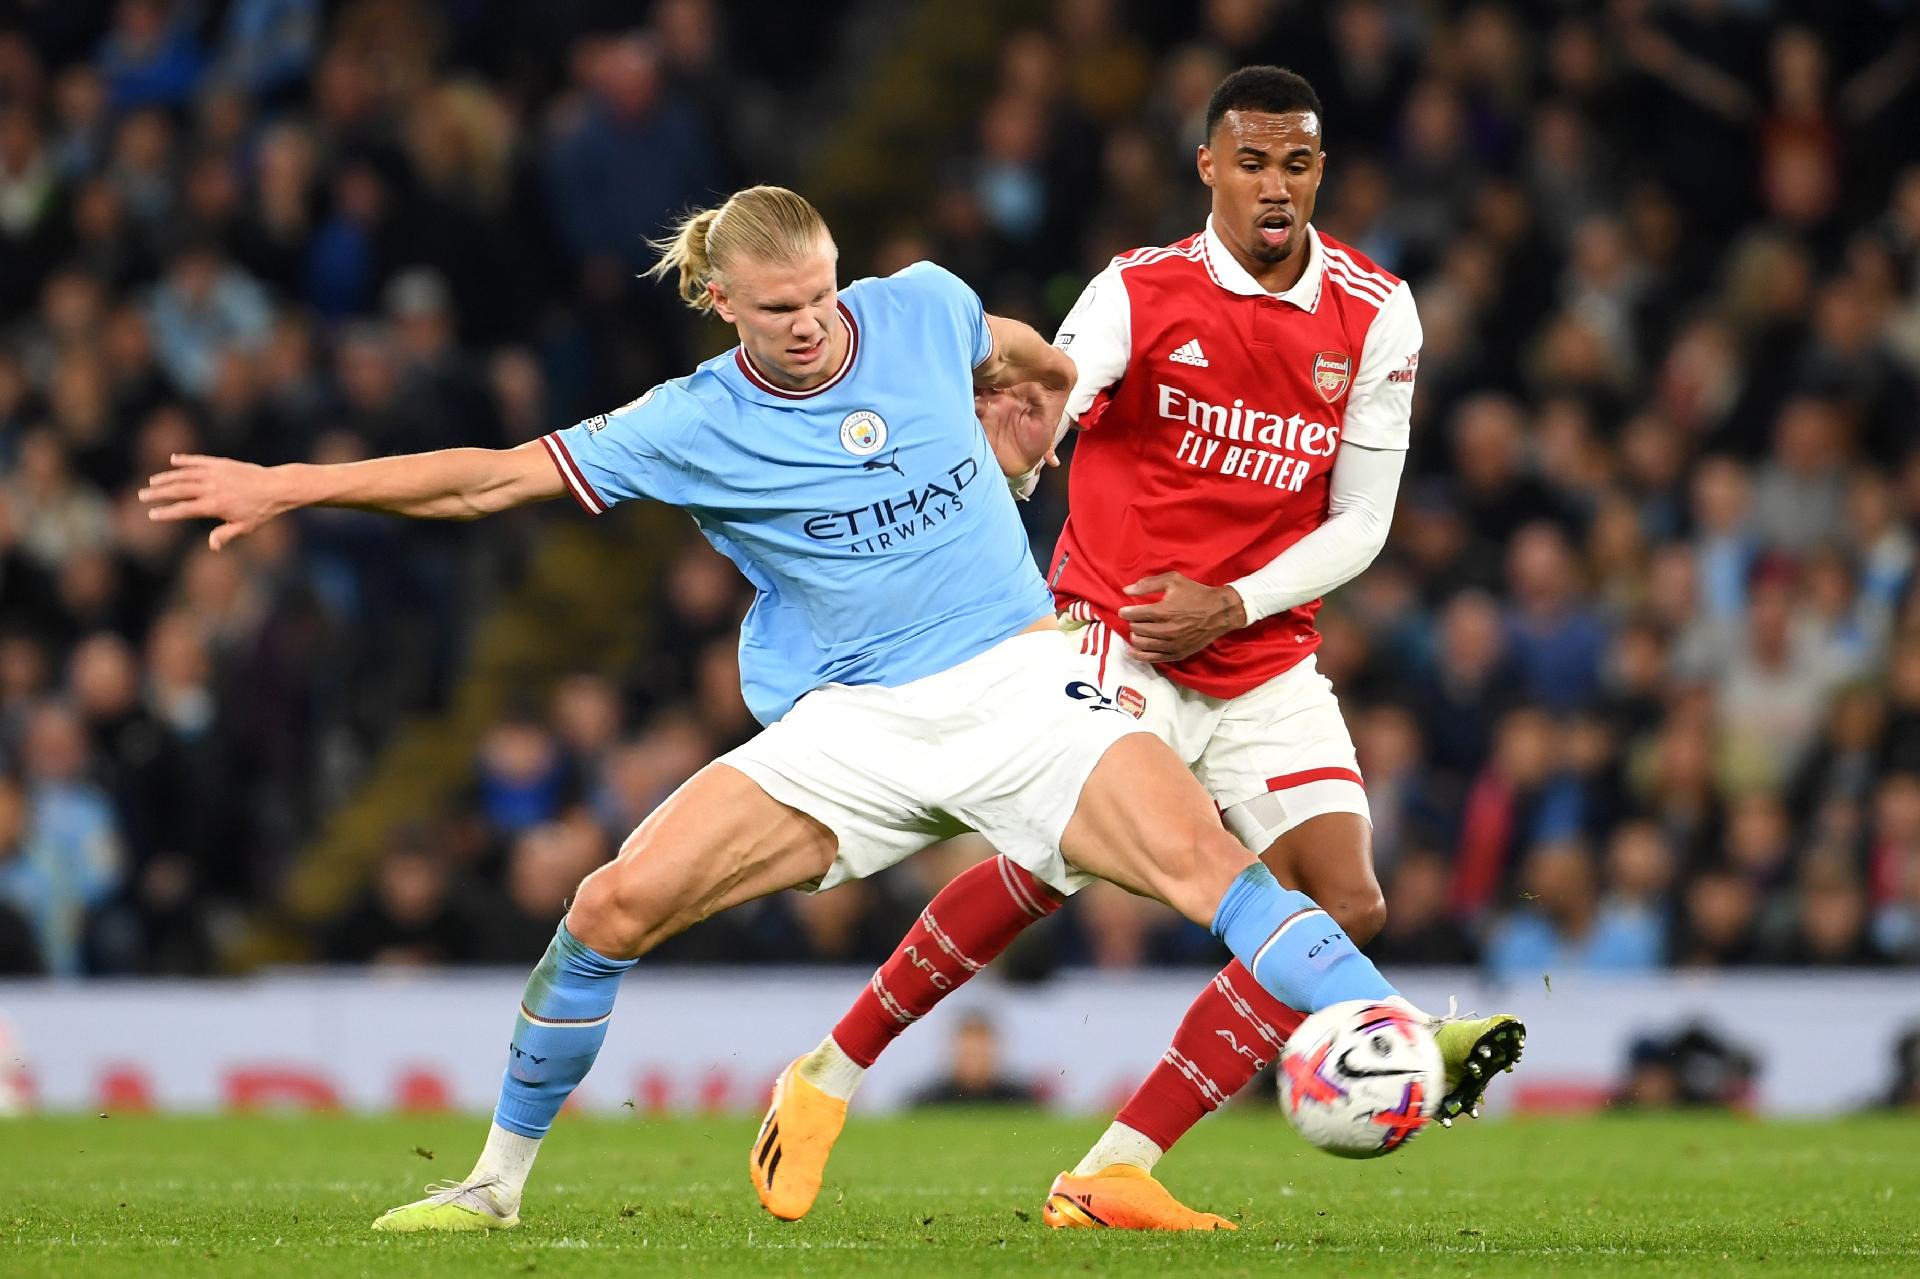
868	513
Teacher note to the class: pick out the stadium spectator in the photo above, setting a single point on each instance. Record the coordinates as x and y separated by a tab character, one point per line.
1500	816
74	859
266	46
1467	688
544	866
25	891
152	54
1774	685
522	775
1894	867
1555	640
406	916
626	154
204	307
1570	928
1420	928
1832	917
974	1073
637	775
836	927
1718	921
1403	797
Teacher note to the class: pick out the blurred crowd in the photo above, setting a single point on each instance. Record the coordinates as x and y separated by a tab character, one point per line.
1635	684
281	231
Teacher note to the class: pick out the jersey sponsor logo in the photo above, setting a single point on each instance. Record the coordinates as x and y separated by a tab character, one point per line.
1130	700
1332	370
1405	373
1189	352
1266	447
891	462
863	432
1293	433
891	522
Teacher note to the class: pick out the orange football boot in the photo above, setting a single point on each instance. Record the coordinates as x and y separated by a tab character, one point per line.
1121	1197
790	1154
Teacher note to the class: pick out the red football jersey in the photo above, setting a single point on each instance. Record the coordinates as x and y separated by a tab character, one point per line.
1212	414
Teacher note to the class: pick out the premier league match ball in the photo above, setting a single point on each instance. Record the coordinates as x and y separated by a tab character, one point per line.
1359	1079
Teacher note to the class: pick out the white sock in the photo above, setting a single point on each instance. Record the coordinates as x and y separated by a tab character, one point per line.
1119	1144
508	1156
829	1069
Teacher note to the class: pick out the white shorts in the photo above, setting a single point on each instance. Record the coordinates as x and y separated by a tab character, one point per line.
1271	758
1000	744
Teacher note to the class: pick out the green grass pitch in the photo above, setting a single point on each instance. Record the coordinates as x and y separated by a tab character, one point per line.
958	1193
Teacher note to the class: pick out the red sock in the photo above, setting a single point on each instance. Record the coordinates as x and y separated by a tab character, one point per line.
1229	1034
960	932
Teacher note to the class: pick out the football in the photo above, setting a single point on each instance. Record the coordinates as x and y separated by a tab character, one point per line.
1359	1079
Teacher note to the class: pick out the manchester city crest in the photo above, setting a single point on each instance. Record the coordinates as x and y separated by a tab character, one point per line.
863	432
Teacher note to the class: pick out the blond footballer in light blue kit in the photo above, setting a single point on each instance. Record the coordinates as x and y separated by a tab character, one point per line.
901	647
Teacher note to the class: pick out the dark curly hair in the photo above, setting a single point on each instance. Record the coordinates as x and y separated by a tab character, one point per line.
1270	89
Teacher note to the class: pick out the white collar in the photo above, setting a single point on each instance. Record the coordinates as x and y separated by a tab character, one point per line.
1231	276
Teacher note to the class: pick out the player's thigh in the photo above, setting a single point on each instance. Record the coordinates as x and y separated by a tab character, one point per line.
1281	765
1067	785
1142	822
718	841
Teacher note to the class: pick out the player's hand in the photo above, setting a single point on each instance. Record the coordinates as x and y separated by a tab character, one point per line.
240	495
1020	422
1185	619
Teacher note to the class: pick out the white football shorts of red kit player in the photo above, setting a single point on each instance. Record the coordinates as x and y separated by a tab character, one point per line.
1270	758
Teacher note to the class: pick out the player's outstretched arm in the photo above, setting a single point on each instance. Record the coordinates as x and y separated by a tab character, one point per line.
449	484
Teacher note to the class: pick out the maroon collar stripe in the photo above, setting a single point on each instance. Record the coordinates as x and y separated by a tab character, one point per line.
754	375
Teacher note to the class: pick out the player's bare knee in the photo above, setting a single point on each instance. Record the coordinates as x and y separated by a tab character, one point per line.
1360	915
611	914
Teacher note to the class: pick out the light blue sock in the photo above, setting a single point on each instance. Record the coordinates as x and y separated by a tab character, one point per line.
562	1023
1291	946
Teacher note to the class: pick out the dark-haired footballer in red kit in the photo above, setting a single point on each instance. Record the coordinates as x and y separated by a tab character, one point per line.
1245	397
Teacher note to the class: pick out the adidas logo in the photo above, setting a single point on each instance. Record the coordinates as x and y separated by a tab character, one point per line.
1190	353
